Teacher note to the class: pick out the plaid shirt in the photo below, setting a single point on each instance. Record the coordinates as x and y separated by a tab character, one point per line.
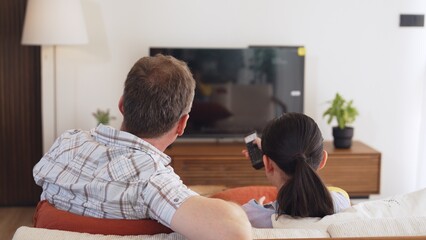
106	173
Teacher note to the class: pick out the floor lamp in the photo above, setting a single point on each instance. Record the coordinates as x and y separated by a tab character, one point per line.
51	23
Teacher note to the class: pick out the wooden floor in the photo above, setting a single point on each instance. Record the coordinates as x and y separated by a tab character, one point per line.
12	218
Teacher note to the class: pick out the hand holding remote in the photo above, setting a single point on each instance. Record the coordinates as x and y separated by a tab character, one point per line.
254	152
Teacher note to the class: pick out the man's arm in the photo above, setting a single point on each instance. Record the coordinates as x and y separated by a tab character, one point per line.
208	218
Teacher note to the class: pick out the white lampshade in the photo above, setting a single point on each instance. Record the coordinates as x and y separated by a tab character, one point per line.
54	22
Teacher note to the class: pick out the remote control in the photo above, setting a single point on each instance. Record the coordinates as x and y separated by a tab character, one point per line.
254	151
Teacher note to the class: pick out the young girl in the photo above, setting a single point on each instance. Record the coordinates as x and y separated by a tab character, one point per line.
293	150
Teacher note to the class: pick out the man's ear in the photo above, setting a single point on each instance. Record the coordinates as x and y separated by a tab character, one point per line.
324	159
121	105
182	124
269	167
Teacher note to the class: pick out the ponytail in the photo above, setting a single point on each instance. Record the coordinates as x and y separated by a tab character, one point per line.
304	194
294	142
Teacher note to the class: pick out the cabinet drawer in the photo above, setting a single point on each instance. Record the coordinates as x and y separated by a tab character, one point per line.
357	174
231	172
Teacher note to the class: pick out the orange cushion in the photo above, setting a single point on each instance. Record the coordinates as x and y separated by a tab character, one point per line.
242	195
47	216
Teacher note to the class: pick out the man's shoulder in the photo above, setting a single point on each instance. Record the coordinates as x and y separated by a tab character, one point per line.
74	133
73	138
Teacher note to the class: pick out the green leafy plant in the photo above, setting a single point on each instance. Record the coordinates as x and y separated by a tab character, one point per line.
344	112
103	116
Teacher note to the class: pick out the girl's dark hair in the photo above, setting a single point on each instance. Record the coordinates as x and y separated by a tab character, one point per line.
294	142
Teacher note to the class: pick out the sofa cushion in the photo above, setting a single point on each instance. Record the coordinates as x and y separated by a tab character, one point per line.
407	226
47	216
242	195
274	233
29	233
399	206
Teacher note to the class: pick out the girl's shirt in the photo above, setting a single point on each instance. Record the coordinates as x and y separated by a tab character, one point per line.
260	215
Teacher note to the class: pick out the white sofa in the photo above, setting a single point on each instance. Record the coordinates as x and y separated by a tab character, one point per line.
397	217
387	227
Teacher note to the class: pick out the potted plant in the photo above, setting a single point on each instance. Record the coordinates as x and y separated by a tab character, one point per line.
345	113
103	117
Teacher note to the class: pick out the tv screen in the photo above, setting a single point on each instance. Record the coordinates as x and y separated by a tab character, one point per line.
240	89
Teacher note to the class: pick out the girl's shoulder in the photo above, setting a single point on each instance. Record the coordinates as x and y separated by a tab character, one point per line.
340	198
338	190
259	215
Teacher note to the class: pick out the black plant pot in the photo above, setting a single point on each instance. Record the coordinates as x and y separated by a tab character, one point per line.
343	137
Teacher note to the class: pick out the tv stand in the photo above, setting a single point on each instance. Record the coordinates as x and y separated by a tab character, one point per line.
357	170
217	140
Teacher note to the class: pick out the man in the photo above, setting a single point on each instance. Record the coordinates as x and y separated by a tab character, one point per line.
124	174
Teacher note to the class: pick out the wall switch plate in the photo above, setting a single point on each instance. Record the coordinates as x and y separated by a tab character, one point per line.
411	20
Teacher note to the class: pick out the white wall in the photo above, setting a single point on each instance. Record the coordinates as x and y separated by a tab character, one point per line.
354	47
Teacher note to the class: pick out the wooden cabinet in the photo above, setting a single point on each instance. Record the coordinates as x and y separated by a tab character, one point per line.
357	170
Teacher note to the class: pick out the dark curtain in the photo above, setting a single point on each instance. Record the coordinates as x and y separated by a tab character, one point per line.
20	109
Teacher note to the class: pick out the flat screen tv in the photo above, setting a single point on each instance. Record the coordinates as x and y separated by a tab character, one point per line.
240	89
